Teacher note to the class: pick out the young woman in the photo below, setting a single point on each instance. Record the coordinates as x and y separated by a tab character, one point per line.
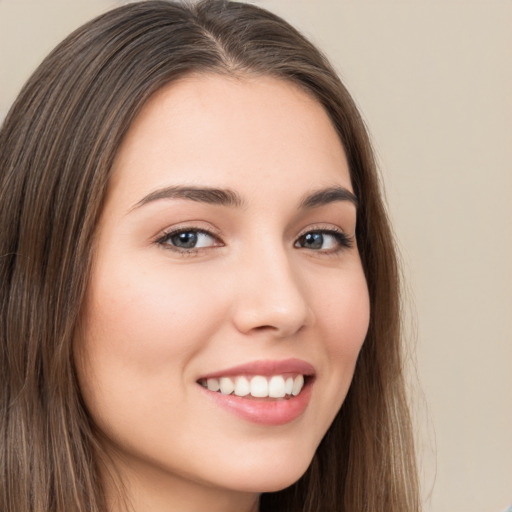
199	301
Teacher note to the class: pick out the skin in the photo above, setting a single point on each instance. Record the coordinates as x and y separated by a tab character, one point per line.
158	317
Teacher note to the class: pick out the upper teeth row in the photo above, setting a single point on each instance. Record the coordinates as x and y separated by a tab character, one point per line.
258	386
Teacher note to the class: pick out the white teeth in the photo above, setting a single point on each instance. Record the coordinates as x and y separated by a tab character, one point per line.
288	387
213	384
243	387
276	387
258	386
226	386
297	384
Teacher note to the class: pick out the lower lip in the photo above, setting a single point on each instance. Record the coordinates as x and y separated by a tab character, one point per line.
264	412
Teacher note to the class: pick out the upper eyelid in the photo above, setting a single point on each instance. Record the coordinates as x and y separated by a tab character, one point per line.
334	229
209	230
216	233
331	231
327	227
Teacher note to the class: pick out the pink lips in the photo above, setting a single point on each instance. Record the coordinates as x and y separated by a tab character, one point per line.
265	368
265	411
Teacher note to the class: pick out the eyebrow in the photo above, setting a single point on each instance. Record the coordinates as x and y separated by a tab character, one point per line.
327	196
217	196
230	198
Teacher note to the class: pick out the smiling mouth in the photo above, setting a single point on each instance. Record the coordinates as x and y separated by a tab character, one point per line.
283	386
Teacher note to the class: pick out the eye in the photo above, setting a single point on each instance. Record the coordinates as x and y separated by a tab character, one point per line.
324	240
188	239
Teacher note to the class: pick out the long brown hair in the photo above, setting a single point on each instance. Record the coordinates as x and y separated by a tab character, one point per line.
57	145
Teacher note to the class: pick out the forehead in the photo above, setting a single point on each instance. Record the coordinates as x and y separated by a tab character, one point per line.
228	132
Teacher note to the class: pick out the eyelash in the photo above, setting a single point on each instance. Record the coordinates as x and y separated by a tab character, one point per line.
163	241
343	240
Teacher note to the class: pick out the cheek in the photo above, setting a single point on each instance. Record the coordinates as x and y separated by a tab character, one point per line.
149	318
344	321
345	316
342	314
140	330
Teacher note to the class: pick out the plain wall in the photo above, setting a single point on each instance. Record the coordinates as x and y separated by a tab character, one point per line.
434	82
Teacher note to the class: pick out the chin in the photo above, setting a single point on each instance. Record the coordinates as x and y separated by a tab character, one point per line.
270	478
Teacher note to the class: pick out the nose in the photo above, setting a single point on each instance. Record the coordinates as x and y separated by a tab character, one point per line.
270	297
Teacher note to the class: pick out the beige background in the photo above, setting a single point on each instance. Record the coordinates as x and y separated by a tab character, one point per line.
434	82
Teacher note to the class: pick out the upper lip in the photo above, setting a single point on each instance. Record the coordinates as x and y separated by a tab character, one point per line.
265	368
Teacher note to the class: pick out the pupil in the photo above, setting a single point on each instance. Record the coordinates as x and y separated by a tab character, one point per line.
314	240
185	240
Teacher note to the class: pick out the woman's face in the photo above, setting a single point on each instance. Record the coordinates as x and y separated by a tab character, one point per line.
225	256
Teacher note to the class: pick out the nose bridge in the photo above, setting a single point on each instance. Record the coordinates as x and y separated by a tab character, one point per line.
270	294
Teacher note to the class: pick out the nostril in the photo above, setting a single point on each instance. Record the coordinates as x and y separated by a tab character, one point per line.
265	328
